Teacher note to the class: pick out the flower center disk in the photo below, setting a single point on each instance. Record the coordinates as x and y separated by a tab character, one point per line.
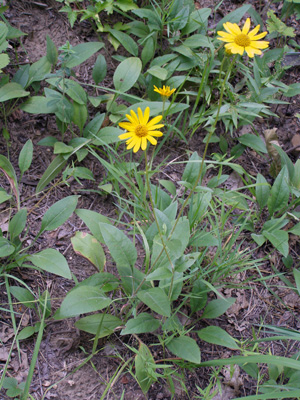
242	40
141	131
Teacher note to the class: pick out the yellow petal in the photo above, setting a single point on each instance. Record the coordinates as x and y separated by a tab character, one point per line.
131	143
137	146
144	143
253	32
125	135
246	27
226	40
152	140
146	116
235	48
232	28
154	121
155	133
258	37
140	115
134	117
127	125
260	45
226	35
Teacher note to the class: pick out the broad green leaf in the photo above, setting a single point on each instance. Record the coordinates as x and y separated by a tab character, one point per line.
38	70
159	274
144	363
132	279
4	61
192	169
157	300
69	87
198	40
58	213
185	348
82	300
38	105
120	246
23	295
91	324
259	239
295	230
126	41
17	223
100	69
143	323
82	52
296	273
127	73
6	248
52	53
262	191
198	297
217	307
25	156
10	174
234	16
158	72
92	219
51	172
26	332
51	260
254	142
87	246
93	127
4	196
12	90
280	193
62	148
156	107
80	115
103	280
279	239
107	135
217	335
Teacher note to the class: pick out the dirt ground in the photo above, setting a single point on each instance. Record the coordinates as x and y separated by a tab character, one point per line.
57	374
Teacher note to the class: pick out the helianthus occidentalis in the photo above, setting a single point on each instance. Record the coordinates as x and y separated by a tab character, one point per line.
140	129
165	91
239	40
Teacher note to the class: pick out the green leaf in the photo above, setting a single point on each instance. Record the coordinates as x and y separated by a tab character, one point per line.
217	307
23	295
157	300
254	142
120	246
158	72
296	273
62	148
143	323
262	191
92	219
51	260
58	213
198	40
234	16
10	174
100	69
38	70
94	126
4	196
91	324
107	135
38	105
4	61
295	230
280	193
126	41
6	248
51	172
17	223
12	90
87	246
259	239
82	300
275	24
279	239
127	73
69	87
185	348
192	169
25	156
198	298
82	52
144	367
217	335
26	332
52	53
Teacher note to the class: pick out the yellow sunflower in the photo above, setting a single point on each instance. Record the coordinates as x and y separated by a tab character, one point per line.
239	40
140	129
165	91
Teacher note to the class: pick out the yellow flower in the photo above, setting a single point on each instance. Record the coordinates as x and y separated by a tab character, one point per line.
239	40
165	91
140	129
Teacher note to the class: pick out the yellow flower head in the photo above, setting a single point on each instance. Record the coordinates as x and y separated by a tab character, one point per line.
239	40
165	91
140	129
